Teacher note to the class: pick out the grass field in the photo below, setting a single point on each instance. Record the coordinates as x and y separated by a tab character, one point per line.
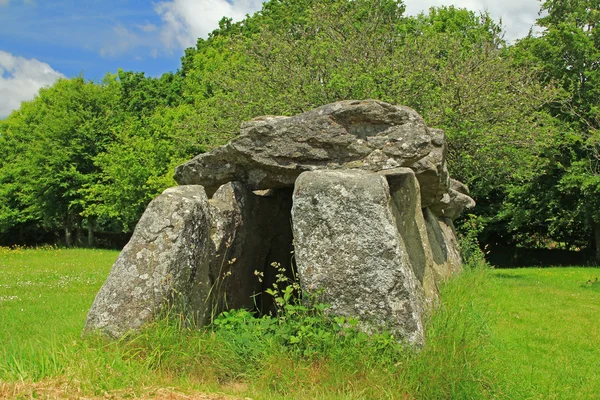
546	331
514	334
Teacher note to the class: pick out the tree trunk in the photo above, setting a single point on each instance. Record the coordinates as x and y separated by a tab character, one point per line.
78	235
68	236
597	239
68	231
90	227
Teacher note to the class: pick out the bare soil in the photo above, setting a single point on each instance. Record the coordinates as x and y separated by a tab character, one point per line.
69	390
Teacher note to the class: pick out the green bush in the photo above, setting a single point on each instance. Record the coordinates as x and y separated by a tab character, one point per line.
468	240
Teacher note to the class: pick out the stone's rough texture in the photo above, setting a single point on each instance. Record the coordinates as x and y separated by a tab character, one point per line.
453	262
347	244
430	240
410	223
454	202
459	187
444	245
249	233
196	253
167	260
431	170
271	152
230	234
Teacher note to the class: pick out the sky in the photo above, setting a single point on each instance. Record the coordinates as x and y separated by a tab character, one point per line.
44	40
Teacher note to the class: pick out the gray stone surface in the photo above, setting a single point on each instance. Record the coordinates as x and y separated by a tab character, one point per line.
454	202
410	223
165	263
431	170
454	259
197	254
372	223
444	245
271	152
348	246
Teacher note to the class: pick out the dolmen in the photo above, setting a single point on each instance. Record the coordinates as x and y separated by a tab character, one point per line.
353	196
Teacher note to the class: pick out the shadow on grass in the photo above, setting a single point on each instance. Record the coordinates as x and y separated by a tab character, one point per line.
519	257
592	284
509	276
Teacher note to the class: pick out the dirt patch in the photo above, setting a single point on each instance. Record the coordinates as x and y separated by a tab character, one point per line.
71	391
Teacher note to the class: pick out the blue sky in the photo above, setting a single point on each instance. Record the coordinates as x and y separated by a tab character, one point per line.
42	40
92	37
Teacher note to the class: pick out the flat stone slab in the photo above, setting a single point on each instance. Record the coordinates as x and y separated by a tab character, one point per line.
271	152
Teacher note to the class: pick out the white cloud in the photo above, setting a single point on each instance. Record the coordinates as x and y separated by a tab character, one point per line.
146	28
4	2
21	79
187	20
518	16
121	41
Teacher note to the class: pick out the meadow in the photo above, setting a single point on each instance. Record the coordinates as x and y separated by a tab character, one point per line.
506	334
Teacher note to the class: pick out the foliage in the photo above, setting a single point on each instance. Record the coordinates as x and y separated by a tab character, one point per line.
468	233
449	64
92	155
138	164
560	200
140	95
51	143
301	325
521	120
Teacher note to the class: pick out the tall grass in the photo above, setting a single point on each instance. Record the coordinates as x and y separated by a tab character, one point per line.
456	362
298	354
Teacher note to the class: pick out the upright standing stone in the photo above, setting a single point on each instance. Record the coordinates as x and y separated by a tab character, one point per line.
347	245
408	213
196	254
372	222
165	263
444	245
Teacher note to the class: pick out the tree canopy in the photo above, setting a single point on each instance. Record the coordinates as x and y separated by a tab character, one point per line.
522	120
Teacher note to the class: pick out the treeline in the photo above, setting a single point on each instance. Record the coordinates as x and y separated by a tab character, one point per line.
522	119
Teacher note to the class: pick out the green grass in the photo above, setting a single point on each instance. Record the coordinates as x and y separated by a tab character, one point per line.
45	294
514	334
546	331
48	290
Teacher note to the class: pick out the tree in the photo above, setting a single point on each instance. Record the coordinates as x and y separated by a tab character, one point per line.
567	53
138	164
141	95
50	144
102	163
